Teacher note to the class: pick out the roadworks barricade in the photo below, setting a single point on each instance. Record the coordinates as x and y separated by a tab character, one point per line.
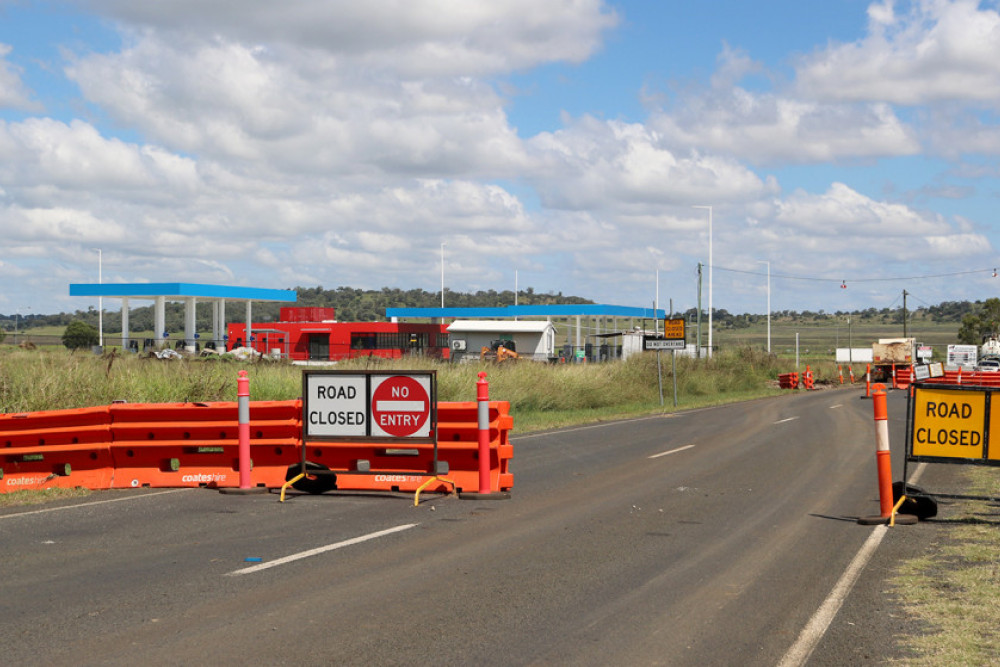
196	445
788	380
57	448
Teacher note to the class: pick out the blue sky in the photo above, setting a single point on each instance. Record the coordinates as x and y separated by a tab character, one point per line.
339	143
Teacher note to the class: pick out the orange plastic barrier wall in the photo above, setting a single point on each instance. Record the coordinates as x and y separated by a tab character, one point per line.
904	376
58	448
403	467
196	444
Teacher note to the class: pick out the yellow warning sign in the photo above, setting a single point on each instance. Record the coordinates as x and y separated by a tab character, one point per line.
948	423
673	329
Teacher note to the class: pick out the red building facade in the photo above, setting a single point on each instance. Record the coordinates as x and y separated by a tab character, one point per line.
313	334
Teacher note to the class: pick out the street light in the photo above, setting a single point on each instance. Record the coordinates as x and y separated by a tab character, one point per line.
709	278
761	261
442	275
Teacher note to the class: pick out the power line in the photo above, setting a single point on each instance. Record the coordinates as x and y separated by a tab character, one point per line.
858	280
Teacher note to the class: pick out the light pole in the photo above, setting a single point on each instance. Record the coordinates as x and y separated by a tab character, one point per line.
442	275
100	299
761	261
709	278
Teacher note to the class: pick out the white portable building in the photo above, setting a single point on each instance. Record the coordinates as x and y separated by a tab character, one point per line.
532	339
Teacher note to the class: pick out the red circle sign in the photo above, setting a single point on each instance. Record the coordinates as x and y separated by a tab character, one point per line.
400	406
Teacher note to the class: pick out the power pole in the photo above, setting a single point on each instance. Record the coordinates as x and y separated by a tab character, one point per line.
904	313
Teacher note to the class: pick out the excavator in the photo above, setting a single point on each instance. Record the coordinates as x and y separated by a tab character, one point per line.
498	351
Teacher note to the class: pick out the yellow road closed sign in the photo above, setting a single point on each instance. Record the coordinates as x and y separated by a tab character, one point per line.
673	329
949	423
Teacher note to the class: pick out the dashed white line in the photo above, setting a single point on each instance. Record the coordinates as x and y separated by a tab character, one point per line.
782	421
672	451
320	550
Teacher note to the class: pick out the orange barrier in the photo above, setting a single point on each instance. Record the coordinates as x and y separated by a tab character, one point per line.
197	444
57	448
807	379
788	380
379	467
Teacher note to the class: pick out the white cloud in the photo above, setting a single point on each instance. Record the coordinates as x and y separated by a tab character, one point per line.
13	93
417	38
598	165
936	51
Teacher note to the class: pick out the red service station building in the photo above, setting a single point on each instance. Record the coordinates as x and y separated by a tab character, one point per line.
303	334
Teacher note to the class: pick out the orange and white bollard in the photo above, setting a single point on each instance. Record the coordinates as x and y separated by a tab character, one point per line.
483	426
483	418
243	432
868	381
840	372
850	369
882	454
894	385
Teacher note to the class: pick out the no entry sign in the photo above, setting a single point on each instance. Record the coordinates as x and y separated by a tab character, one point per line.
361	406
400	407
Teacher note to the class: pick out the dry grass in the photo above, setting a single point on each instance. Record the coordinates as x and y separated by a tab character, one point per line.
953	590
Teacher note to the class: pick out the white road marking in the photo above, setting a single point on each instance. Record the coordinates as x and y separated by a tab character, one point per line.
617	422
320	550
809	638
782	421
838	405
97	502
672	451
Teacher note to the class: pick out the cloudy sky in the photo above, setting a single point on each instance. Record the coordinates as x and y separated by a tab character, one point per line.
329	142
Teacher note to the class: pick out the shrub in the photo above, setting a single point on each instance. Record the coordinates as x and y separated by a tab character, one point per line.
80	334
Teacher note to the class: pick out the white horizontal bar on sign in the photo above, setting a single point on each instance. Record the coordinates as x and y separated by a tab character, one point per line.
400	406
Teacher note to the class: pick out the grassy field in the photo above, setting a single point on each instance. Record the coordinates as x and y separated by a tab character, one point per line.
953	590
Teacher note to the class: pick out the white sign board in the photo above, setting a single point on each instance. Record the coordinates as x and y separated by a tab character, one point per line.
667	344
963	355
369	405
401	406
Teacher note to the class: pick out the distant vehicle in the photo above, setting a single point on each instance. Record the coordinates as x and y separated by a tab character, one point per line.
990	346
989	366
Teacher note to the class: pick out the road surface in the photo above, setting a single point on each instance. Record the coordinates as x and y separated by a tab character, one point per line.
708	537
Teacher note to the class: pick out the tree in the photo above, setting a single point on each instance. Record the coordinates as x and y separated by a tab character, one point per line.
80	334
976	325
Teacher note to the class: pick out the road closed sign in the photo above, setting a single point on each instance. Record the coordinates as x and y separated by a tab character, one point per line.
949	423
364	406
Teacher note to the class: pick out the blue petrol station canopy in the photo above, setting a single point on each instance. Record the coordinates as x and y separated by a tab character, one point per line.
552	310
181	291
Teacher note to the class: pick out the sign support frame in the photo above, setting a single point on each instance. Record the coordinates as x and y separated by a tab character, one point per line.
363	467
983	460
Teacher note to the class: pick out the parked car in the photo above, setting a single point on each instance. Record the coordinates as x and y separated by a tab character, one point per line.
989	366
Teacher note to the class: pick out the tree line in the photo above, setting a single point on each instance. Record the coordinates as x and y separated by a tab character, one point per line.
977	318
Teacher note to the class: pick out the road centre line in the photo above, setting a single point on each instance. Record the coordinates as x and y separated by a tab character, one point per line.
789	419
96	502
587	427
817	626
672	451
320	550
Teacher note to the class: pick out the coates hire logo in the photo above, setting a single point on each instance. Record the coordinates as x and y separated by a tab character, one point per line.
26	481
202	478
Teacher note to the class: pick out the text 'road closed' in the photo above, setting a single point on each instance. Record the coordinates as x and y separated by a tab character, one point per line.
949	423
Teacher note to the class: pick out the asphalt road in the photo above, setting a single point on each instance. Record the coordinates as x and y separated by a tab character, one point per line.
705	538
